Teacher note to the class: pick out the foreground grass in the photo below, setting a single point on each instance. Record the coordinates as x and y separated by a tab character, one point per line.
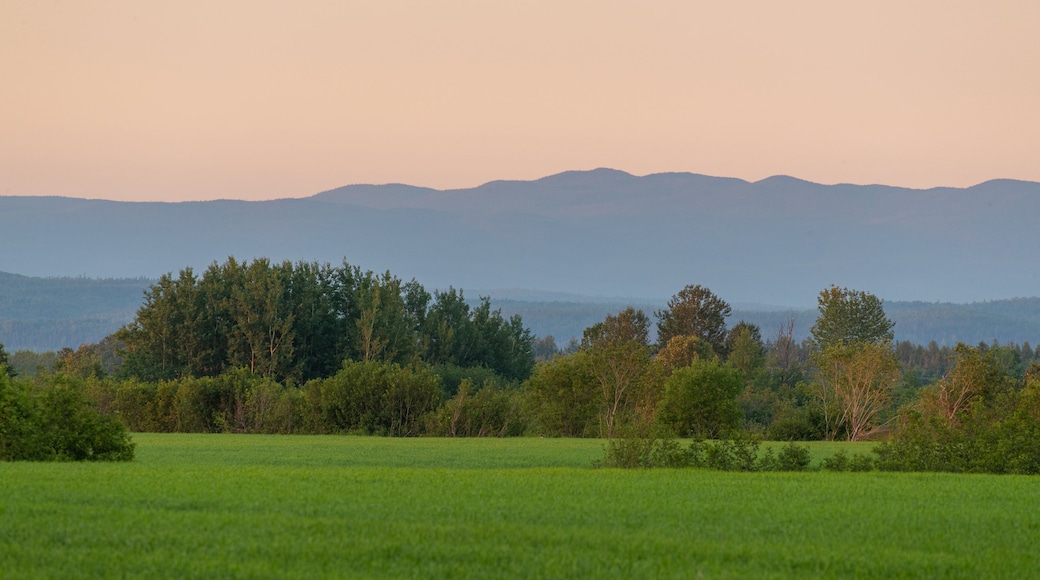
259	506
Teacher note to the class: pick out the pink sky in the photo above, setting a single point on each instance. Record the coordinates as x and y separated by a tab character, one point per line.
242	99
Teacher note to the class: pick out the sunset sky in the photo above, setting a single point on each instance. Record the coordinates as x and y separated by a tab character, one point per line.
250	99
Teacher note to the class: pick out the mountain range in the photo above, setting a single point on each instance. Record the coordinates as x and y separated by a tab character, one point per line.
603	232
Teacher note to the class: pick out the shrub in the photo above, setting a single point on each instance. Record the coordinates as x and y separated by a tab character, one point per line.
645	452
793	457
841	461
492	411
55	421
996	436
701	399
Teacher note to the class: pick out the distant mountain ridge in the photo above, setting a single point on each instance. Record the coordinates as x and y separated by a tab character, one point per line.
602	232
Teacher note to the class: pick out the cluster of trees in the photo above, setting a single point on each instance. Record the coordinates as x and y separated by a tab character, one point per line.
314	349
301	321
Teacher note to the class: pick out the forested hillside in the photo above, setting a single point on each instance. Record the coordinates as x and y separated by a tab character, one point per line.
42	314
48	313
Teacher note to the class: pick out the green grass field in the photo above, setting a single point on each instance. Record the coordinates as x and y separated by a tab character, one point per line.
255	506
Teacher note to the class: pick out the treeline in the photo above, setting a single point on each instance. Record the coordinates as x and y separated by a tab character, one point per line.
296	322
308	349
363	398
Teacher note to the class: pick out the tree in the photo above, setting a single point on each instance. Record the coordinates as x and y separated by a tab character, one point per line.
850	316
975	376
857	381
619	358
701	399
311	291
545	348
856	363
564	396
784	361
52	420
694	311
628	325
5	364
262	339
681	351
744	345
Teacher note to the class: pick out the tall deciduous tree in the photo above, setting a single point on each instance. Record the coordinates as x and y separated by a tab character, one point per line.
744	344
619	358
857	383
855	360
849	316
976	376
694	311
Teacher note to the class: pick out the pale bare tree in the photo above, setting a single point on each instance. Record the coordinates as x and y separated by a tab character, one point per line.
856	384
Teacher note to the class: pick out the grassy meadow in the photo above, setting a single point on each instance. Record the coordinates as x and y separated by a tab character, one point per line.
254	506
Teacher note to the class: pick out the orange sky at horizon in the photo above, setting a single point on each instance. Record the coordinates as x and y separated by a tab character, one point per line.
126	100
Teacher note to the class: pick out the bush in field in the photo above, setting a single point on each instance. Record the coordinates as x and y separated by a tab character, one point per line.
637	452
372	398
792	457
797	423
54	421
841	461
494	410
740	453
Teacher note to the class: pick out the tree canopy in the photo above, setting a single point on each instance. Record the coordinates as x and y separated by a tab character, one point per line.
848	316
301	321
694	311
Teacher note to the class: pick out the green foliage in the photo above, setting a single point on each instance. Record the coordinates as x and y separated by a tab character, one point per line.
27	363
299	322
694	311
797	423
855	382
629	325
491	411
850	316
564	397
618	357
734	454
645	453
745	349
841	461
373	398
980	444
740	453
701	400
992	429
53	420
792	457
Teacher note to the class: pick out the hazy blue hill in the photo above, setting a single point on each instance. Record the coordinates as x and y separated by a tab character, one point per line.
602	232
49	313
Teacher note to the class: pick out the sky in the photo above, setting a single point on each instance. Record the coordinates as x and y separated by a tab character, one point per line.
254	99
